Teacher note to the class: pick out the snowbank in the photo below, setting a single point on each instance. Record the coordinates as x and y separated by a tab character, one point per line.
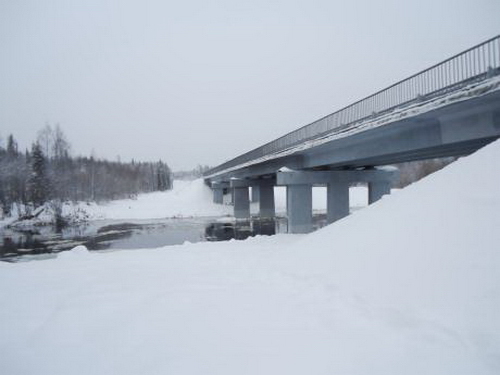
409	285
186	199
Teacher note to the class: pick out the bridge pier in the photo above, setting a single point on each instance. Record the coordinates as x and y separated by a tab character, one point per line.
299	208
299	192
240	199
218	191
377	189
255	193
337	201
266	200
265	189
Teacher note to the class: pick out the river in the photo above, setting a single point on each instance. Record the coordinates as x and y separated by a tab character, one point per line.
99	235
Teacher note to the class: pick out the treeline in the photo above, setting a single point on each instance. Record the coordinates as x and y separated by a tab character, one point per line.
48	172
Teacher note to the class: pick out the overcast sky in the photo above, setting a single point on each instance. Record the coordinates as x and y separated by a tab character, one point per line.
199	82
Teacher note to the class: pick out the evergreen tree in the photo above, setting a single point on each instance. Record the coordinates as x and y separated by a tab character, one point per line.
38	183
11	147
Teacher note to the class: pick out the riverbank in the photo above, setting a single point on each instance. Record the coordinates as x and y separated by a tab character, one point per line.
407	285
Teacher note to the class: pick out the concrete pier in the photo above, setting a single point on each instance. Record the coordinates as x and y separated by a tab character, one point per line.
265	188
299	208
241	198
337	201
266	201
218	191
218	196
377	189
299	192
255	193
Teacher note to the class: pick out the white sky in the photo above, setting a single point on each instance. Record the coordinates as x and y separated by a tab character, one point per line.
197	81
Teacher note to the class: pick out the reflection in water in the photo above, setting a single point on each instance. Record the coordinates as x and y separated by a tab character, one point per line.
139	234
22	245
239	229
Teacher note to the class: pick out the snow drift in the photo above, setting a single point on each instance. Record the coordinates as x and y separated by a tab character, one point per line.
409	285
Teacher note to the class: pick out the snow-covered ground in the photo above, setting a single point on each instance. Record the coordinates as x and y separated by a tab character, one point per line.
409	285
194	199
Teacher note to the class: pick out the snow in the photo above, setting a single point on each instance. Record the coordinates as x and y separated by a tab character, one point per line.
186	199
408	285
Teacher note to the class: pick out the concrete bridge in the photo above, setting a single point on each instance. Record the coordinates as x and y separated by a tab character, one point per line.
449	109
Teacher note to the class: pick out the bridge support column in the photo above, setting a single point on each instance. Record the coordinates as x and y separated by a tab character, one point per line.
266	201
299	192
377	189
337	201
218	191
218	195
299	208
240	199
255	193
241	203
265	188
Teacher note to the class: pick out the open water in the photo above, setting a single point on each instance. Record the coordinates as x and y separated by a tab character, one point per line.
45	242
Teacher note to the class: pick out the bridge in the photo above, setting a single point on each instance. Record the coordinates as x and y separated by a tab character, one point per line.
449	109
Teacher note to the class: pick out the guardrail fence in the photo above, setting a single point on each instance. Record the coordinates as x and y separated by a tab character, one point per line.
475	64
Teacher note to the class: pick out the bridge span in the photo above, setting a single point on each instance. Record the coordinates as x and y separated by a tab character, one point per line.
449	109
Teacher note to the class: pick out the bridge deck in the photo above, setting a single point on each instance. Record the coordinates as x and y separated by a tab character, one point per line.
452	108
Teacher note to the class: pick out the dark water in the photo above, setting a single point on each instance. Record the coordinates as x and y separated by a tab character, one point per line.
41	242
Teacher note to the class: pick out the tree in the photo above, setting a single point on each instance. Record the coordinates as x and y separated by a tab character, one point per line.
38	183
60	146
11	147
45	138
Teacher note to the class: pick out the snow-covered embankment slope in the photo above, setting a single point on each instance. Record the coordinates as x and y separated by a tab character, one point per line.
186	199
409	285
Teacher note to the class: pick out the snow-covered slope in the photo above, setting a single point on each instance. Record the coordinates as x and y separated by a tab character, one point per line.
409	285
187	198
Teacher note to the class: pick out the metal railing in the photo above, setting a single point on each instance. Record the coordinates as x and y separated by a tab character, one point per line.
472	65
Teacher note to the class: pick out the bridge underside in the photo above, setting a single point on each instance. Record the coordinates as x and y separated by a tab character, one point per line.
453	130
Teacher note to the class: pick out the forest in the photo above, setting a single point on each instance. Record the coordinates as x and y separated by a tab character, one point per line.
48	174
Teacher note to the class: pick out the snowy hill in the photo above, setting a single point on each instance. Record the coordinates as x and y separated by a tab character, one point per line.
409	285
